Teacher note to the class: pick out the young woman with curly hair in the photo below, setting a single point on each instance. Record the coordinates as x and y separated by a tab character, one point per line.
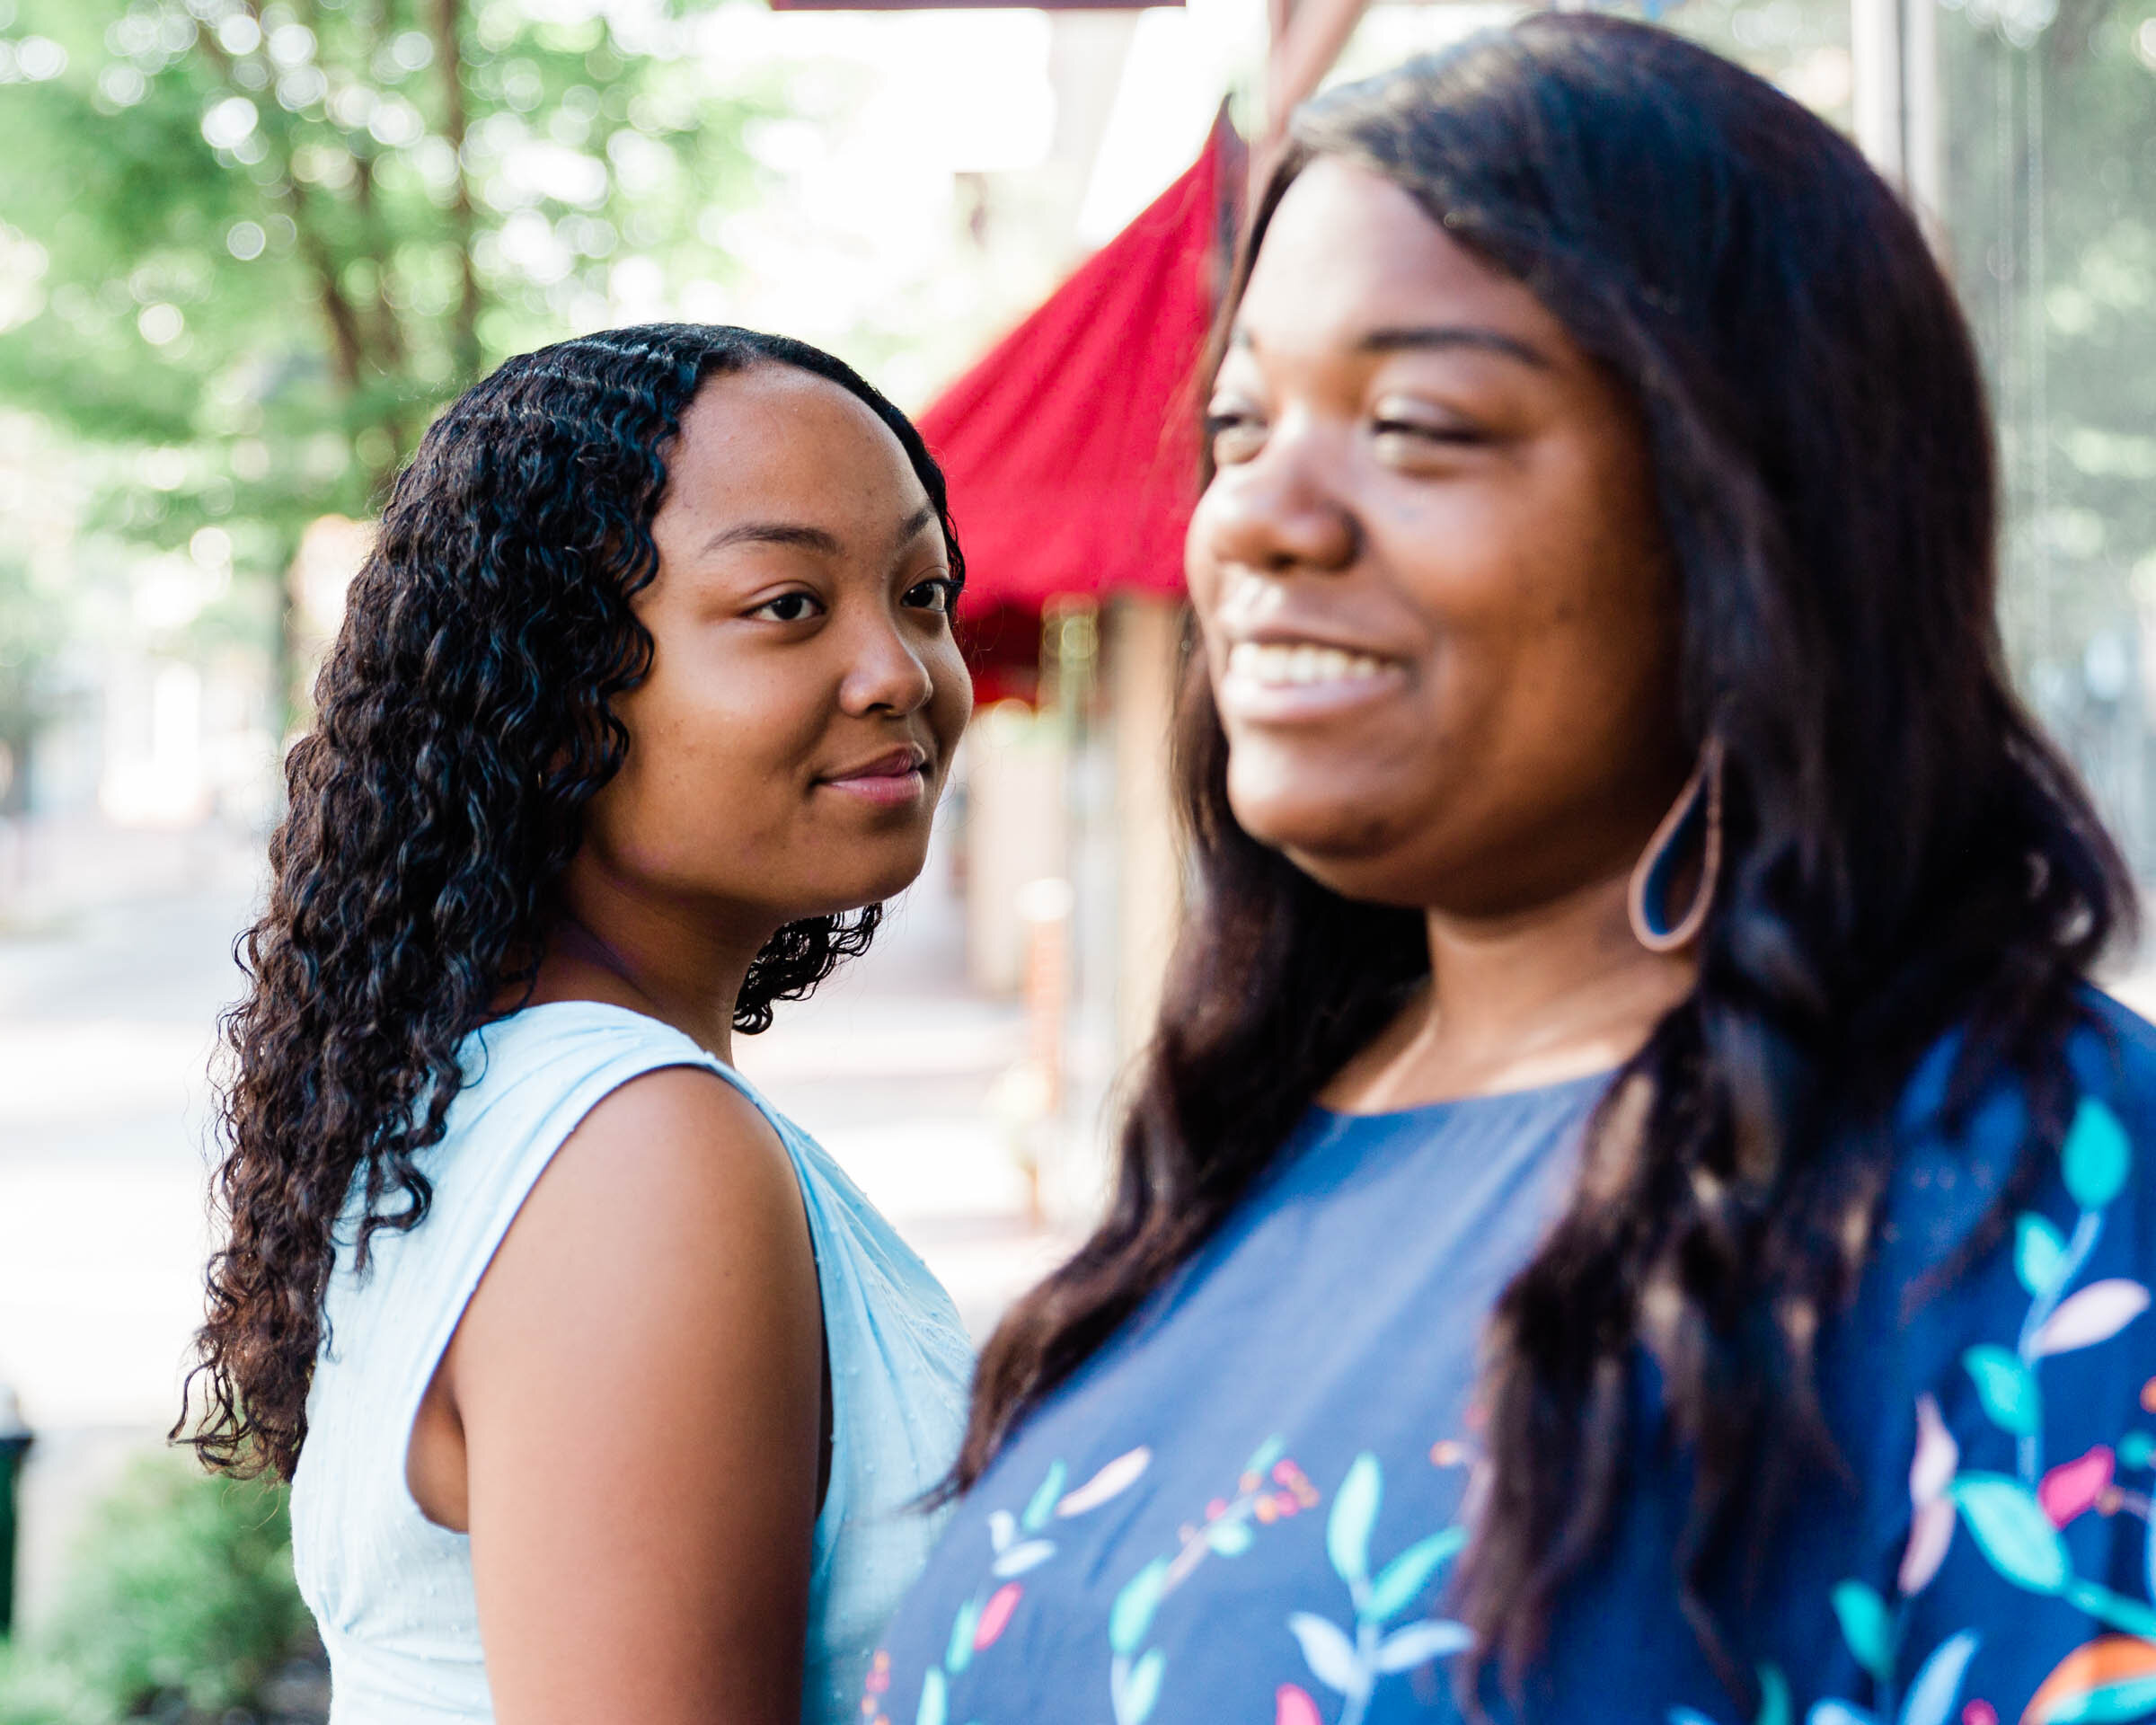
604	1395
1634	1212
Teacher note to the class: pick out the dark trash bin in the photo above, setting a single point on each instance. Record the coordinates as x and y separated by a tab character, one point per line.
14	1445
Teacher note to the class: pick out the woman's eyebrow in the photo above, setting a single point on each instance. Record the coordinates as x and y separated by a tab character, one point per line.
914	526
1409	339
804	537
1452	335
775	533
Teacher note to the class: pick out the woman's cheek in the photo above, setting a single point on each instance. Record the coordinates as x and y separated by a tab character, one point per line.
953	698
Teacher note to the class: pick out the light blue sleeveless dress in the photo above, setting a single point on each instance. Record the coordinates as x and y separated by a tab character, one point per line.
392	1591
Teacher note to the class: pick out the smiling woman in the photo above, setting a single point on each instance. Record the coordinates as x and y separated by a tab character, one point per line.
605	1395
1633	1213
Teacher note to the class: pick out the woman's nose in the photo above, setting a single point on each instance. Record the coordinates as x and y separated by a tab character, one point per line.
1274	514
886	674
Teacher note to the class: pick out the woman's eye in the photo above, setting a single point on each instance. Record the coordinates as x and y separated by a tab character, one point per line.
789	608
1426	432
937	595
1233	435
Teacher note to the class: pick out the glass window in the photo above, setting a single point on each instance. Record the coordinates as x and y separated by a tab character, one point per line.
2048	181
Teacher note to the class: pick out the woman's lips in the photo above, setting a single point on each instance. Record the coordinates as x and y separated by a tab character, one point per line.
1286	682
889	780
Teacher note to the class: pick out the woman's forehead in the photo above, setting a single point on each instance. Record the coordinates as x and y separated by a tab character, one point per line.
770	435
1348	254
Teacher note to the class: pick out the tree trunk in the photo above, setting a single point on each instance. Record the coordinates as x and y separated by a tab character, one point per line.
449	54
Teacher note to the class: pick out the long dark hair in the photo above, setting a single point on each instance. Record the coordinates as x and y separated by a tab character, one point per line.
464	723
1905	854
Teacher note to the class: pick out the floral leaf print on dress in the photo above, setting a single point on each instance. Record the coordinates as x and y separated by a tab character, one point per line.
2095	1161
981	1619
2112	1678
2017	1521
1351	1659
1270	1488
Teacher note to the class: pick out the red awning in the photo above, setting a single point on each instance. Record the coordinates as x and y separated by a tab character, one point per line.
1072	447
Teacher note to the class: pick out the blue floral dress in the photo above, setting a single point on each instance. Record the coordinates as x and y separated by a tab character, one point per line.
1246	1508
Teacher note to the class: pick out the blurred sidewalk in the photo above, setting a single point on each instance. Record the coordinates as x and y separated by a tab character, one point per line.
115	957
889	1066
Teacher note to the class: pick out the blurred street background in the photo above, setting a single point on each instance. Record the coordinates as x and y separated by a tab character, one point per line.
248	247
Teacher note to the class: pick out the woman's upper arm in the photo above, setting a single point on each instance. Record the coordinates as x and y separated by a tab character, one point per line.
639	1383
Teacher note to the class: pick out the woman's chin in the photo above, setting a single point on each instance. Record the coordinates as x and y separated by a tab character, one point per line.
1348	846
871	887
1324	822
1364	879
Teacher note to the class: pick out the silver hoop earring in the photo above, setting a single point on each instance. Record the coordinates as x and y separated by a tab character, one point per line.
1697	811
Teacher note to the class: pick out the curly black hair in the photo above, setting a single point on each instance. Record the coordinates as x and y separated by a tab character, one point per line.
465	722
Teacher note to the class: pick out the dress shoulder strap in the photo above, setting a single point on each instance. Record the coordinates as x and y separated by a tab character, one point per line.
530	1081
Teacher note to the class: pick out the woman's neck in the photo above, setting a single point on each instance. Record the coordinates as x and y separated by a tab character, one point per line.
1529	998
680	960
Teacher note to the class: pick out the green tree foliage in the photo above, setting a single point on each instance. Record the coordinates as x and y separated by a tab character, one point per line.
256	244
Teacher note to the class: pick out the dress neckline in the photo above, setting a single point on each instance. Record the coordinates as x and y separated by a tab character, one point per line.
1556	1088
